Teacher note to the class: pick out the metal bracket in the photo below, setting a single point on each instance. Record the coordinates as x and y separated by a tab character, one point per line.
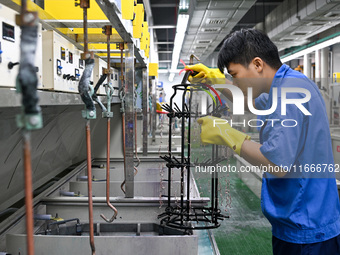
89	114
107	30
107	71
83	3
87	55
29	121
122	99
27	19
109	93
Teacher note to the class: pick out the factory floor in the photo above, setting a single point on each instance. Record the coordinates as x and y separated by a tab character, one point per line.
247	231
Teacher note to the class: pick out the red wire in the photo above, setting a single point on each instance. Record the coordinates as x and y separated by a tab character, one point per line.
214	92
185	69
211	88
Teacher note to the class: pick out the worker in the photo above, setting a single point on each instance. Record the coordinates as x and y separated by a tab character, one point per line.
303	211
160	98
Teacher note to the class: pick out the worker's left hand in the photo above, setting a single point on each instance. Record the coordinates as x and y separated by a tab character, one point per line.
218	131
158	106
206	75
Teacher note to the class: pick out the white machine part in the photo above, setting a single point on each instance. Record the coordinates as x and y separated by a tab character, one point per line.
62	66
99	66
115	81
10	49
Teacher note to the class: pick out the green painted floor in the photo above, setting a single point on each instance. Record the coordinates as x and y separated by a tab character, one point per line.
247	231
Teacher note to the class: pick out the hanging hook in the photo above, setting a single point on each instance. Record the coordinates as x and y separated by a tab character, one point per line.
192	56
107	30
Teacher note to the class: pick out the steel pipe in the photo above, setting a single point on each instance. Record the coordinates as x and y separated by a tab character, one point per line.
89	185
28	193
108	32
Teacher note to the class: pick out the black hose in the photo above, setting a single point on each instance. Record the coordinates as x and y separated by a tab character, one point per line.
95	97
100	82
43	188
185	77
27	77
62	222
84	84
8	211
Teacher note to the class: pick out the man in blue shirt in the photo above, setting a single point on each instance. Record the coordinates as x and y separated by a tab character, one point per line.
299	194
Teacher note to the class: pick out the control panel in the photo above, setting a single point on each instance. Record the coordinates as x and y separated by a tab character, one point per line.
10	49
115	81
62	65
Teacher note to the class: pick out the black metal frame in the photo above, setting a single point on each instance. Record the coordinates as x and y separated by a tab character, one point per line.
186	216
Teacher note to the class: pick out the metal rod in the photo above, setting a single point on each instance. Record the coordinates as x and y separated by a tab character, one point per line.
129	119
86	39
136	144
27	81
28	193
182	153
169	145
188	158
89	185
145	112
108	176
108	33
23	6
213	181
121	47
123	127
216	186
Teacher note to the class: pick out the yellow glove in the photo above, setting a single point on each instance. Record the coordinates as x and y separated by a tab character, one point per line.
218	131
158	107
206	75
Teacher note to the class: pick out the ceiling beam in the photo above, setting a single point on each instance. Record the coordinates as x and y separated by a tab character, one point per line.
268	3
163	5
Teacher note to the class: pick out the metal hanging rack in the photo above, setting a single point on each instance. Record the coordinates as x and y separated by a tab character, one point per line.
184	215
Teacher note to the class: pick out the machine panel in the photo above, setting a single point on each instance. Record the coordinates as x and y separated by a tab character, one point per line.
62	65
10	48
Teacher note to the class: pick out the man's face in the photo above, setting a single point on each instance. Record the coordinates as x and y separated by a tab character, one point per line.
246	77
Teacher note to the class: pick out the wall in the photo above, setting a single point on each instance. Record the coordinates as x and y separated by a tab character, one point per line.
55	147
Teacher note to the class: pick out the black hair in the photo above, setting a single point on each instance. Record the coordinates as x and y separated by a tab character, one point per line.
242	46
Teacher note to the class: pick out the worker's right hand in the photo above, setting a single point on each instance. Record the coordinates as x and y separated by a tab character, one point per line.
218	131
206	75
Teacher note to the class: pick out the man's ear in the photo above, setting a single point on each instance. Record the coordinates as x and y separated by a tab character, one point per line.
258	64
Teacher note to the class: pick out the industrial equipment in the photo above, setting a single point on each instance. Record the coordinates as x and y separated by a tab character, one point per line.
10	49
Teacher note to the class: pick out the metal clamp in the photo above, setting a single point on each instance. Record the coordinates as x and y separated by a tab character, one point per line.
122	99
109	93
89	114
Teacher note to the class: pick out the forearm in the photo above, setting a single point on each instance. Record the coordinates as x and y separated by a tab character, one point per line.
250	151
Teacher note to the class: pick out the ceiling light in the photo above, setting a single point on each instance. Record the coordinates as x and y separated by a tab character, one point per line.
182	23
183	6
311	49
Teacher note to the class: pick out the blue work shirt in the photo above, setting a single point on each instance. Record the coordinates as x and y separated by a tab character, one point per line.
303	207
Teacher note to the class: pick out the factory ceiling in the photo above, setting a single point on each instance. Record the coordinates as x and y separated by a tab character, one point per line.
210	21
288	23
